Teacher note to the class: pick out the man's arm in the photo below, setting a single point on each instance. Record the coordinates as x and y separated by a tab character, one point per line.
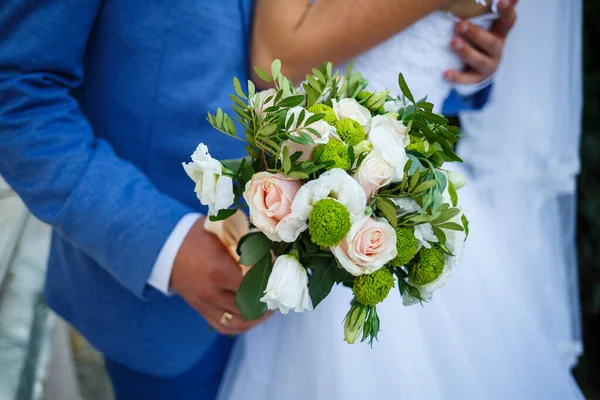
48	152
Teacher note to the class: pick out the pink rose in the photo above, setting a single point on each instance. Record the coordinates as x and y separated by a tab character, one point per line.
269	197
374	173
369	245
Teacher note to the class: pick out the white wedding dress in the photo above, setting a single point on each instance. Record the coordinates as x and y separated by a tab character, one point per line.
479	338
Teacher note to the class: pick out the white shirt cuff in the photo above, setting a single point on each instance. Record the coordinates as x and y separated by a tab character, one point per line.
161	272
469	89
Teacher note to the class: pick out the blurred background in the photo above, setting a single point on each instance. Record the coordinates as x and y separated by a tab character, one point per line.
588	370
42	358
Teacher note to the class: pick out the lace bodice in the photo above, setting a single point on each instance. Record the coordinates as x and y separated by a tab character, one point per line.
422	53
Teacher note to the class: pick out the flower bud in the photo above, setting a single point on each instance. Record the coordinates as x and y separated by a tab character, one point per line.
353	325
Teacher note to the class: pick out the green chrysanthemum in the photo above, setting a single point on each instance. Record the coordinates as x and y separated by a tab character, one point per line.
350	131
333	151
428	268
465	223
452	193
416	144
407	246
330	117
373	288
328	223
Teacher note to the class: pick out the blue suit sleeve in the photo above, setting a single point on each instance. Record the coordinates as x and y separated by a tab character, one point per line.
455	103
49	154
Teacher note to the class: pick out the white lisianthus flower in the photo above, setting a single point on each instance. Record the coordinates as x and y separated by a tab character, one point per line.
324	130
287	288
389	138
336	184
458	180
424	235
259	101
349	108
392	106
213	189
374	173
368	246
406	205
426	291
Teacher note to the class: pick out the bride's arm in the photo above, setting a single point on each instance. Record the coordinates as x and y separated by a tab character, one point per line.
304	35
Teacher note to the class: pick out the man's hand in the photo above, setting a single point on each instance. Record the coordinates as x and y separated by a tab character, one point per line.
481	50
206	276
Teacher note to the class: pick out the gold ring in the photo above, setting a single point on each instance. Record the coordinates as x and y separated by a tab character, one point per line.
226	318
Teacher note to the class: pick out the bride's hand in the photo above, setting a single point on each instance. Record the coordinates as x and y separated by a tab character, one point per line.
481	50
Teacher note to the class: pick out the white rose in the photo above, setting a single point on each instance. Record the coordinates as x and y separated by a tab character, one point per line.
335	183
374	173
349	108
389	139
260	103
368	246
321	127
213	189
287	288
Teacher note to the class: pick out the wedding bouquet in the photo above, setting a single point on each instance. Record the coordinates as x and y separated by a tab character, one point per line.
343	186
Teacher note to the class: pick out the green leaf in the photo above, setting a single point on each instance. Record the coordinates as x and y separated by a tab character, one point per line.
389	210
276	68
414	180
320	281
439	234
252	248
252	289
425	186
298	175
229	125
314	118
287	163
434	118
219	117
453	226
238	88
447	215
291	101
251	89
306	137
404	88
222	214
262	74
319	75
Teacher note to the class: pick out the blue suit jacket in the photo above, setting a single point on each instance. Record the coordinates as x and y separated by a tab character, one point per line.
105	170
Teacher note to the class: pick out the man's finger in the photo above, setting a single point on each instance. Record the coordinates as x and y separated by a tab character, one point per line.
481	38
473	57
467	77
507	18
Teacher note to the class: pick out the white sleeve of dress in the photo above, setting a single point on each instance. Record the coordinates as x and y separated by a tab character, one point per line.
161	272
